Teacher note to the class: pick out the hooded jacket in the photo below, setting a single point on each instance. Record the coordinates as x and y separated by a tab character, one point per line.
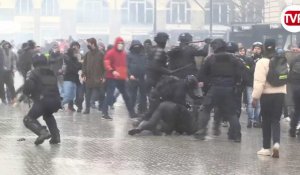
136	61
115	60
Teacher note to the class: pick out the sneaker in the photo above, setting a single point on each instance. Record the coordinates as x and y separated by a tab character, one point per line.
264	152
200	135
275	150
287	119
256	125
225	124
79	110
106	117
134	131
86	112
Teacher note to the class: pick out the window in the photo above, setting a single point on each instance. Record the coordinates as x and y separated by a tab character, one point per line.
50	8
24	7
93	11
220	13
137	12
178	12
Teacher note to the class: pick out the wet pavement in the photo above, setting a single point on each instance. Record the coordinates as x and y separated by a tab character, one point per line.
94	146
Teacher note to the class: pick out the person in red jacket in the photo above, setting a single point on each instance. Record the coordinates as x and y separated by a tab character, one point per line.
116	75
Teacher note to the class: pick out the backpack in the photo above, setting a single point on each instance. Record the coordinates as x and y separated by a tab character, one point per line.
278	69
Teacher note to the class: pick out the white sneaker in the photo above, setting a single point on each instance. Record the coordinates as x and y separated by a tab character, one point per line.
264	152
275	150
287	119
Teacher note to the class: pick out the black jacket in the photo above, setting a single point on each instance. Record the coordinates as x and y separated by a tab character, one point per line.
182	60
25	61
157	65
221	69
72	67
41	83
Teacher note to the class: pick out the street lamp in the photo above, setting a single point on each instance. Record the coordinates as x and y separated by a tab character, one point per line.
211	18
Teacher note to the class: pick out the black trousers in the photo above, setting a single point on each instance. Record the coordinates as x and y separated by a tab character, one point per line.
46	108
271	110
6	77
222	98
169	117
135	87
296	114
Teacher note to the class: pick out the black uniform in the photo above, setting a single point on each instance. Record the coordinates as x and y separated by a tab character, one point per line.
41	87
157	61
182	60
170	109
222	71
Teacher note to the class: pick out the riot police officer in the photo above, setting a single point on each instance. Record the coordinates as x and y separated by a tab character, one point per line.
182	58
222	71
41	87
157	61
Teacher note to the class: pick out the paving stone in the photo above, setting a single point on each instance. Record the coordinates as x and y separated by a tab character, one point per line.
94	146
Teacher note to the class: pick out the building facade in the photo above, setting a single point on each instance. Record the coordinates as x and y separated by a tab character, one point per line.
106	19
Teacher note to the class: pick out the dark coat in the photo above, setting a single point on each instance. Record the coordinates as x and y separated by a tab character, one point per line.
136	61
93	68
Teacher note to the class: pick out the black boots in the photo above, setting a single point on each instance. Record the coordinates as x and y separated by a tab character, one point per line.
44	135
55	139
51	123
38	129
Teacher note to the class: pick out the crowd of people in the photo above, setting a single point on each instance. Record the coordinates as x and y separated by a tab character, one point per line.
164	90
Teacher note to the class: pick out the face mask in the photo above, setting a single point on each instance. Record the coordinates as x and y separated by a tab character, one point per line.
120	46
89	47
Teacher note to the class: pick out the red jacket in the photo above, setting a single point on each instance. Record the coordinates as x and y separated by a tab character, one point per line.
115	60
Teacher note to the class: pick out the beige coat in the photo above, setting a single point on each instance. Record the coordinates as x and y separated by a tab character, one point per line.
261	86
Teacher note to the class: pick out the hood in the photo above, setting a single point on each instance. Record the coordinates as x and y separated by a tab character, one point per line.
6	42
118	40
135	43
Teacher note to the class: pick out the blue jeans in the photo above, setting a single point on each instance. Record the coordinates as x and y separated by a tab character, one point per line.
111	84
253	113
69	92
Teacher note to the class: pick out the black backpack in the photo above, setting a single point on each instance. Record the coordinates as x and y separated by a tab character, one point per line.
278	69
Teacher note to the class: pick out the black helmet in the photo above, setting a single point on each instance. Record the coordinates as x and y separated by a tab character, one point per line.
185	38
191	81
39	60
232	47
161	37
218	45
